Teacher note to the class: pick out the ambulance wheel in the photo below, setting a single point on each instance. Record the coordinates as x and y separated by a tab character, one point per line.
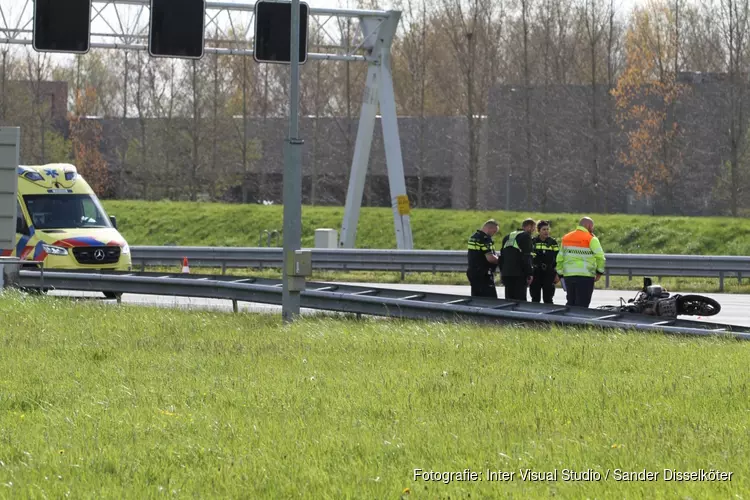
36	291
112	295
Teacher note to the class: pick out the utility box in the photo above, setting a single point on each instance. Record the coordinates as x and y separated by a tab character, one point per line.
9	142
301	264
299	267
9	268
326	238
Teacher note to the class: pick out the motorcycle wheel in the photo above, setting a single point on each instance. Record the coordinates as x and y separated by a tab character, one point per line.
697	305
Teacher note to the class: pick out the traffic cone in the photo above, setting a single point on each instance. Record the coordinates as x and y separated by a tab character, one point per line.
185	266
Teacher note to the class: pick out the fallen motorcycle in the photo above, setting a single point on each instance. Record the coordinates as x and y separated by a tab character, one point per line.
654	300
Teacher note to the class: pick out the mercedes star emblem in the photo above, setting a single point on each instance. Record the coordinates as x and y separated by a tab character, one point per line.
99	254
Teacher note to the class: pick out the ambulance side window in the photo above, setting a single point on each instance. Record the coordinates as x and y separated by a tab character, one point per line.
20	221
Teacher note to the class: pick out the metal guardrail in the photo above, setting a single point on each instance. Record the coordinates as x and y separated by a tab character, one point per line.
411	261
370	301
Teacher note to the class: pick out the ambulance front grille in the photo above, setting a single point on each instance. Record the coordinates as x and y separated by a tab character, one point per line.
97	255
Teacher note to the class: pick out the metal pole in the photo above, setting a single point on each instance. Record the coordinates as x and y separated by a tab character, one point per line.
290	299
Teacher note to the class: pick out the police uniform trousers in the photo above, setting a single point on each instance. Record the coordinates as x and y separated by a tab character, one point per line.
482	285
515	288
544	283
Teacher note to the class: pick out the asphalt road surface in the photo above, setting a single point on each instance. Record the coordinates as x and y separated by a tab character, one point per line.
734	307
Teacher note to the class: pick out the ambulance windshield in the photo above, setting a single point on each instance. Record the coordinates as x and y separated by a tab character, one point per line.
65	211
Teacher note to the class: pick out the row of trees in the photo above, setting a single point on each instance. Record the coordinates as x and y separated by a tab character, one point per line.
448	55
533	43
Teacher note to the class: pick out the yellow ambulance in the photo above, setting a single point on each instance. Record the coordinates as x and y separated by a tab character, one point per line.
61	222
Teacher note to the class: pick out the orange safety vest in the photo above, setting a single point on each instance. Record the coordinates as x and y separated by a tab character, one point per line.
580	254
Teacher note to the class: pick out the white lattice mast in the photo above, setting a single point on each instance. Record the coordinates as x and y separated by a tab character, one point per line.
378	91
123	24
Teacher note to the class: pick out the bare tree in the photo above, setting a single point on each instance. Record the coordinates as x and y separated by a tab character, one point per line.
343	107
610	181
4	80
38	68
525	51
164	93
566	41
526	63
552	19
734	27
410	67
242	85
196	133
144	113
596	18
470	28
217	102
318	109
123	142
703	45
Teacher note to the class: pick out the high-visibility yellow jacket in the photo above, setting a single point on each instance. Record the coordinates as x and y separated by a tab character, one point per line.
580	254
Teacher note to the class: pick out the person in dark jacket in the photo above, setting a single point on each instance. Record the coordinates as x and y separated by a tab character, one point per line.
516	266
482	261
545	262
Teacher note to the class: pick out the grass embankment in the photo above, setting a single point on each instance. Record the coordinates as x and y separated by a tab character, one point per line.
212	224
133	402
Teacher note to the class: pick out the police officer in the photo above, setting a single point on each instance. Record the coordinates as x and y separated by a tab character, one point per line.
516	266
545	262
482	261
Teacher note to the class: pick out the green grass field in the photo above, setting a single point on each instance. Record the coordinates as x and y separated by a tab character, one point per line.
106	401
213	224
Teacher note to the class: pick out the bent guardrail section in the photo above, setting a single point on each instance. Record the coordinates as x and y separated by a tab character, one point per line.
370	300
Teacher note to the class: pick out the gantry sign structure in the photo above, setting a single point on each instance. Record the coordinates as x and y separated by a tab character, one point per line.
229	30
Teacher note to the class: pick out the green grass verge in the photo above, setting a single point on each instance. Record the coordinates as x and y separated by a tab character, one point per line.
127	402
213	224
